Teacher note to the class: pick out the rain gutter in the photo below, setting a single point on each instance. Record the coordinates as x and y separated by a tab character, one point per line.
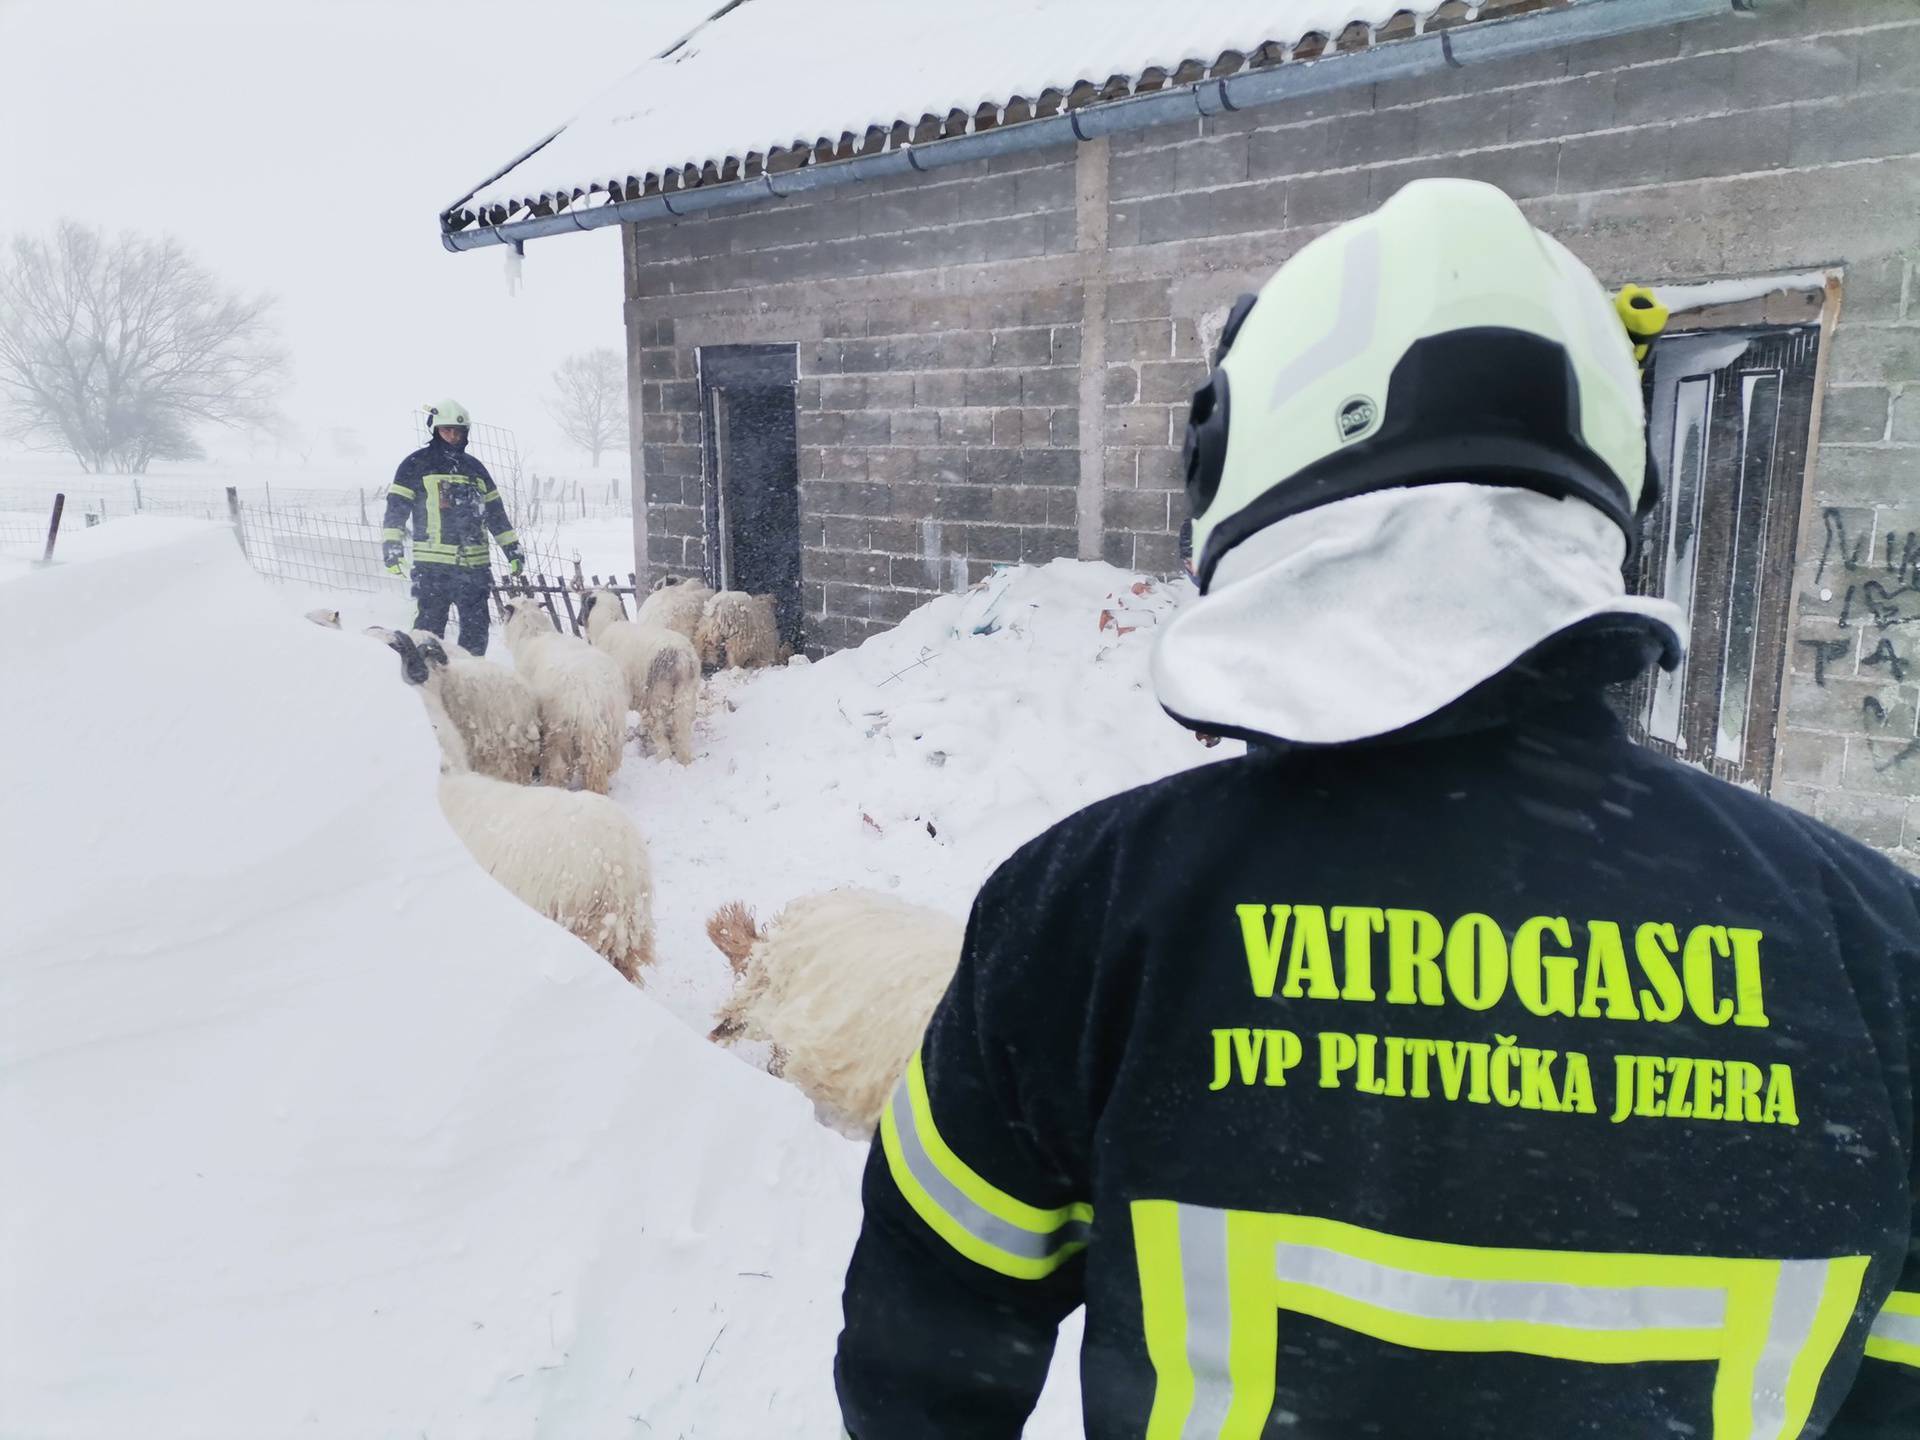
1458	48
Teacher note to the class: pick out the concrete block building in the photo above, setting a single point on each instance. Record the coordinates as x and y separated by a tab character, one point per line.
895	319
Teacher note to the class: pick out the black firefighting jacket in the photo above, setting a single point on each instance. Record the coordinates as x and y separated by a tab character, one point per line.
448	502
1517	1082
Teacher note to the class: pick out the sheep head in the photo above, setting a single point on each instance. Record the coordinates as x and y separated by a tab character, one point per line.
413	665
524	620
599	609
432	650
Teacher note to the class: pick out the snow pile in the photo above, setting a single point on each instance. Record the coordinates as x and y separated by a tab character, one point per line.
1709	293
914	764
310	1127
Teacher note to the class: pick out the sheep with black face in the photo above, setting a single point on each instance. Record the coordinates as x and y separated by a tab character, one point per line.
575	857
490	705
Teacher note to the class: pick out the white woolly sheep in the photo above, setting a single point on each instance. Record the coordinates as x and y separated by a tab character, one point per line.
325	619
738	631
582	695
574	856
491	706
662	670
675	604
841	985
417	672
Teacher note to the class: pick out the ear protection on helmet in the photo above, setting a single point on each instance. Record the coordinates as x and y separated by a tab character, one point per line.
1203	455
1208	417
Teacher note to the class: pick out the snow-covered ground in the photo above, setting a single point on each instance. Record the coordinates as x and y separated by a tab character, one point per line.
313	1129
913	764
557	534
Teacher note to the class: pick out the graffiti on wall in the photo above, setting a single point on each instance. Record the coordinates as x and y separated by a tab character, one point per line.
1874	587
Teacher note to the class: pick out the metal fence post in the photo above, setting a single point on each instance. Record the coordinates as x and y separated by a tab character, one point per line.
53	526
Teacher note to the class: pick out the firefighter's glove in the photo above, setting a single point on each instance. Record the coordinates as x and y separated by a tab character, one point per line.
397	569
1644	316
516	561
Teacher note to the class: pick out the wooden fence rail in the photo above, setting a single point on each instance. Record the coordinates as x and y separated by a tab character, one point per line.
567	591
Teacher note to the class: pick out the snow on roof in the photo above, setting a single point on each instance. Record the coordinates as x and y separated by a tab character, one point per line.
770	83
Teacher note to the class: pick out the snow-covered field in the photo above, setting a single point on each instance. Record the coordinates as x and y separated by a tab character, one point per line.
313	1129
346	495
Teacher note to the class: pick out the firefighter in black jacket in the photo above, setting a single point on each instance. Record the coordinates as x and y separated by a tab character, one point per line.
448	502
1449	1066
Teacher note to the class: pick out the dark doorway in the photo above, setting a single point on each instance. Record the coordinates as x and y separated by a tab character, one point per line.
1728	423
752	470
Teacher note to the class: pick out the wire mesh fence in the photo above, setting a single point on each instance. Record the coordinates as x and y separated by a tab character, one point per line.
22	533
327	537
25	528
339	553
94	498
325	551
553	498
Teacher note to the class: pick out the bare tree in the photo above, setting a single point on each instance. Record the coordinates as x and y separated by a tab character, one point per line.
117	350
291	437
590	402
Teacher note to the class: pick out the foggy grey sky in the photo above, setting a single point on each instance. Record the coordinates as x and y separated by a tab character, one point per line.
305	147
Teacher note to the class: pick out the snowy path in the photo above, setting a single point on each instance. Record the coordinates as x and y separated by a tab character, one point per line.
321	1132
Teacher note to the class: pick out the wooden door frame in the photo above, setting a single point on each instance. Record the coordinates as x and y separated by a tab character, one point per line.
1773	299
1833	292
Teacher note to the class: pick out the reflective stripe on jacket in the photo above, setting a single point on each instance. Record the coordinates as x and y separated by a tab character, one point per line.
444	500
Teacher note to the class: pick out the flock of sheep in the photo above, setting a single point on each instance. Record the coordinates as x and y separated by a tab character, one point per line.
839	986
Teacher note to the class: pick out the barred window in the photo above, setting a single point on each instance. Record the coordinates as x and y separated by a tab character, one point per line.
1728	421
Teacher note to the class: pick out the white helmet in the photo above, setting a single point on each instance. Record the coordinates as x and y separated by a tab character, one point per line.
1420	459
1441	338
449	413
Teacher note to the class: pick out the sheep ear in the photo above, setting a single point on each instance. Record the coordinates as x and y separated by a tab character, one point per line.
413	664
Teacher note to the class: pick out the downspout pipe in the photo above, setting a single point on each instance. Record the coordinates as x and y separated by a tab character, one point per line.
1457	48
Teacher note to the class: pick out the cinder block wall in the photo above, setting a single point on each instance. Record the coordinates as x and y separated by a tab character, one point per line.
937	328
995	360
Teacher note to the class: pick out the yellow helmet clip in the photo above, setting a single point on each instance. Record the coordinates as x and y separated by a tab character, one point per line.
1644	316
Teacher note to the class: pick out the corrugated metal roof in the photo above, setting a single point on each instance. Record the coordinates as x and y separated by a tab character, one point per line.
778	83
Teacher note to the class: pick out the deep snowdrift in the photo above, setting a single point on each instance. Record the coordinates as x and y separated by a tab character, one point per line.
311	1128
914	764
